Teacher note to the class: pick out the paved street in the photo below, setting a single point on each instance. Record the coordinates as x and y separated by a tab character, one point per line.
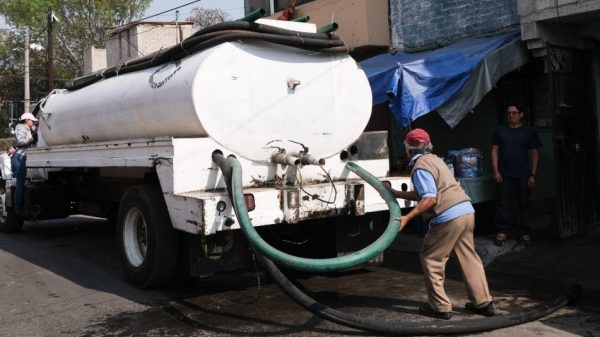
63	278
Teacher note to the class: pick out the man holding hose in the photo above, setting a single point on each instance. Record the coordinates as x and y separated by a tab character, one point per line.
451	217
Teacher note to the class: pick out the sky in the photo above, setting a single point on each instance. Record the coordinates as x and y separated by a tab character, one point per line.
235	8
3	24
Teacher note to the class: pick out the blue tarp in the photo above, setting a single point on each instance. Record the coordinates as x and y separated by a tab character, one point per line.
418	83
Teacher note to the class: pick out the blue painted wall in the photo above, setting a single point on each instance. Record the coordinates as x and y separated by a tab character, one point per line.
426	24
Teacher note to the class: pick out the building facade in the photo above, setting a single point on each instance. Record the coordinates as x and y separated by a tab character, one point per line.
558	89
565	36
140	39
271	6
135	40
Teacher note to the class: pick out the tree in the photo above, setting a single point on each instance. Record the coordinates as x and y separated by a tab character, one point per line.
81	23
204	17
11	67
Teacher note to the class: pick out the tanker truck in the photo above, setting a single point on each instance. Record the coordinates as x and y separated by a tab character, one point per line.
135	144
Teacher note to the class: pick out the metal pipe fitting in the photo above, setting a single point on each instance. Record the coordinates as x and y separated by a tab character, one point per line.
285	159
307	159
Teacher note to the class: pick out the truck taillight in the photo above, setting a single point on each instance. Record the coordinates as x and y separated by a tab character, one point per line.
249	200
221	206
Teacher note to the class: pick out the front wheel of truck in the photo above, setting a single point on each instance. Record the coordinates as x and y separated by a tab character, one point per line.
10	222
148	241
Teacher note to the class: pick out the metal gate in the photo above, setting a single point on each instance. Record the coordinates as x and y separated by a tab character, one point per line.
572	99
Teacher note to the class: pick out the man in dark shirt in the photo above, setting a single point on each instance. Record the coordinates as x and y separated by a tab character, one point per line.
515	158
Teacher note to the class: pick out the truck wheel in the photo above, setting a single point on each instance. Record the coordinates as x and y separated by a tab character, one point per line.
9	221
149	243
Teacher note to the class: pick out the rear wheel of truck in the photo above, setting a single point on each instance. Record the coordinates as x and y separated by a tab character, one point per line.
9	221
148	241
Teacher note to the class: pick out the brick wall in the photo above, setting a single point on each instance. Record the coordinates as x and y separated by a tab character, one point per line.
430	23
153	38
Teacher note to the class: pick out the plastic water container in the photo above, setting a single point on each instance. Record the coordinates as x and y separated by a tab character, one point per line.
469	163
5	166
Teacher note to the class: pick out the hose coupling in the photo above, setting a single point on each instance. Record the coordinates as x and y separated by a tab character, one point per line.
285	159
307	159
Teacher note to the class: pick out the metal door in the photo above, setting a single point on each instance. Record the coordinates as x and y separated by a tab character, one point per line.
575	135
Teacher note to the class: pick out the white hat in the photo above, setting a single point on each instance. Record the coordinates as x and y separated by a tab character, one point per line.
28	115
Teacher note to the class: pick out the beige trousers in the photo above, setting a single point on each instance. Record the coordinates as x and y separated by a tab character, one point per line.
439	242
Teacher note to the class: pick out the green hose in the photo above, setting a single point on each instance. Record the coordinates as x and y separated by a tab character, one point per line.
304	18
328	28
253	16
316	265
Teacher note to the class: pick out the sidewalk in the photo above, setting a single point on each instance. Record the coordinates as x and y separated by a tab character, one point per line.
559	262
574	259
568	260
522	276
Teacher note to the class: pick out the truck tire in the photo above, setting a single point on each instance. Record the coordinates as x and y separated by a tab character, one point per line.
9	221
148	242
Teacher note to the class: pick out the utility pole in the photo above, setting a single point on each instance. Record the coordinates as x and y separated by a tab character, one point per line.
272	6
177	27
26	95
50	51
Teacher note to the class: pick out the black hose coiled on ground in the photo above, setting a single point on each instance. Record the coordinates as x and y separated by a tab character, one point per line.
422	328
214	35
402	328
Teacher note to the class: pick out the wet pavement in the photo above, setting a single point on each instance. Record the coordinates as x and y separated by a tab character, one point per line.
64	278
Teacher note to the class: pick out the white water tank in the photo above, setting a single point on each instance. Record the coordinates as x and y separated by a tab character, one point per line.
250	97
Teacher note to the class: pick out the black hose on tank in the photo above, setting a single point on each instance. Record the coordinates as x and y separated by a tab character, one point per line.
255	27
214	35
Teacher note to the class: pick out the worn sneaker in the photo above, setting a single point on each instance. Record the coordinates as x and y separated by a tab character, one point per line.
526	239
488	310
500	239
427	310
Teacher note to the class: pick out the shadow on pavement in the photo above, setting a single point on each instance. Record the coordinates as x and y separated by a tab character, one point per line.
84	251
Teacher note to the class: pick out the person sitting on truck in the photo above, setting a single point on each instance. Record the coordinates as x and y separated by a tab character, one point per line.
25	136
446	207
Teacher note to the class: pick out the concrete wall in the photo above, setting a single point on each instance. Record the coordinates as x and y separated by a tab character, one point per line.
428	24
252	5
120	47
543	10
566	23
151	39
362	23
143	39
93	59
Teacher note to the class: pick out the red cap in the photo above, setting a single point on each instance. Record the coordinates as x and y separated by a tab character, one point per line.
417	137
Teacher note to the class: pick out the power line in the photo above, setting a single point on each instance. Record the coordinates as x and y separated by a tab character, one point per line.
34	77
157	14
183	13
